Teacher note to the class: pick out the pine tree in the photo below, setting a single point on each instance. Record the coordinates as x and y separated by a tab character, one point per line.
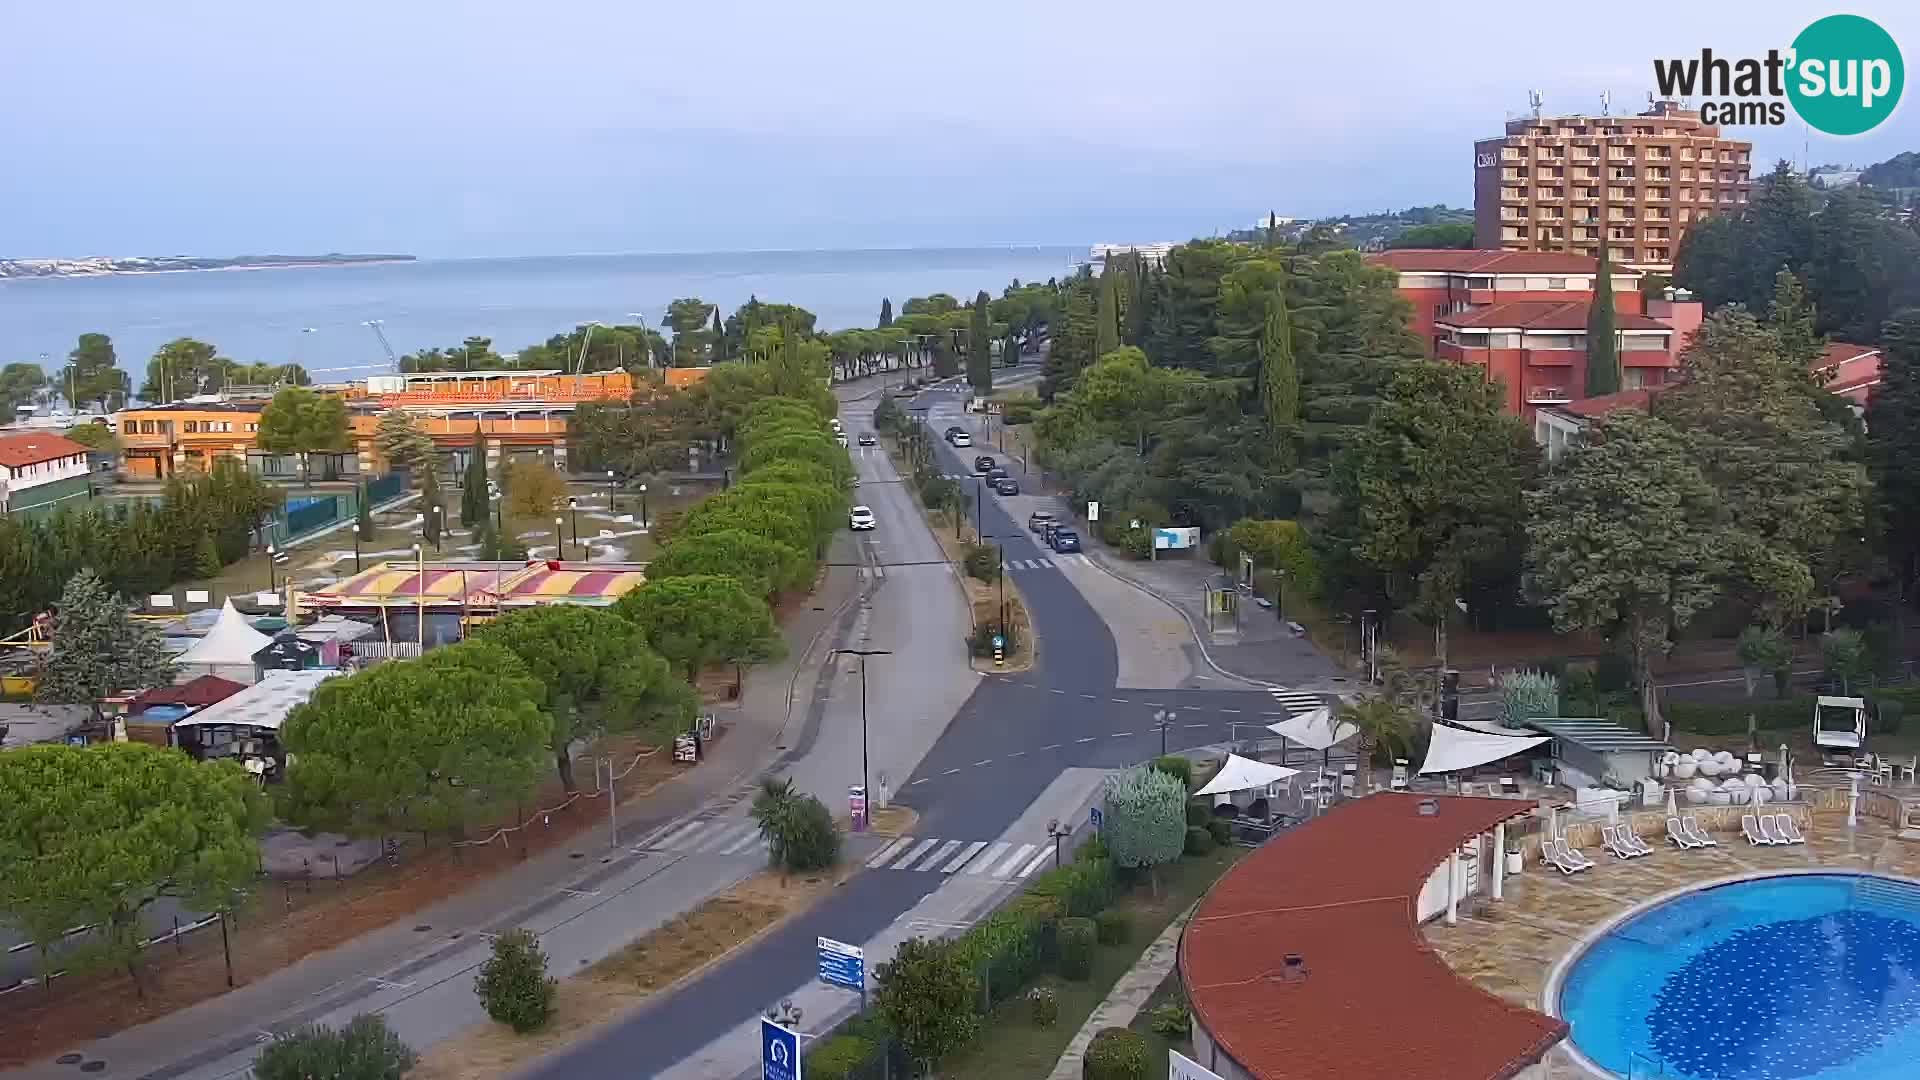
363	518
206	557
1603	348
1893	446
98	648
473	485
1791	322
1106	316
401	442
886	312
1279	374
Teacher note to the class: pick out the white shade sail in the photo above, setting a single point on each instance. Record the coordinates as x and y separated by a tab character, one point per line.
233	640
1315	730
1239	774
1451	748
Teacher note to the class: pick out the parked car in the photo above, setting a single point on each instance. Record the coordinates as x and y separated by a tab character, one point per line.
1064	540
1006	485
984	464
961	438
995	475
867	439
860	519
952	431
1039	520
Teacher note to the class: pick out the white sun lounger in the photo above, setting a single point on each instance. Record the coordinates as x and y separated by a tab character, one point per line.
1750	828
1701	837
1632	840
1610	839
1789	832
1678	834
1548	855
1573	858
1769	830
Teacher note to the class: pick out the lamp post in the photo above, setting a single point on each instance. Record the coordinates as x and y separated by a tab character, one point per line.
559	539
439	526
611	509
643	506
272	586
1057	832
573	508
1164	720
865	792
420	599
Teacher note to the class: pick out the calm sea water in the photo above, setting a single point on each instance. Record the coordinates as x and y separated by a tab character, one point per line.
264	315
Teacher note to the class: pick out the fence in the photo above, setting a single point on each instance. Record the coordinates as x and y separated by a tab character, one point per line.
382	488
302	516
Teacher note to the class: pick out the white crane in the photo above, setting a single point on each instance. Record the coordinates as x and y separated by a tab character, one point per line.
375	325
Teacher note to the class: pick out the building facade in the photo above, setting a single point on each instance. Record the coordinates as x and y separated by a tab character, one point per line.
41	471
1443	283
1634	183
1537	351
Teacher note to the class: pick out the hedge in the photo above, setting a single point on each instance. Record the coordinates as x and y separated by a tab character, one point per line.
840	1058
1084	888
1113	927
1116	1053
1177	767
1730	717
1222	832
1199	840
1076	949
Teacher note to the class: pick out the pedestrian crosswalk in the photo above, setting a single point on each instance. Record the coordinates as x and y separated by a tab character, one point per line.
1051	562
726	836
1000	860
1296	701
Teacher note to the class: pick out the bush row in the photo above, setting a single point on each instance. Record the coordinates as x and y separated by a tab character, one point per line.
1886	711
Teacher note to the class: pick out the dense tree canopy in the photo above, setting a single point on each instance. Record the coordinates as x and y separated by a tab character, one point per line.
702	620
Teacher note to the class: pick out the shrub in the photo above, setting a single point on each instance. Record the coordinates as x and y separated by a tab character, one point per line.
928	998
1198	813
982	561
1273	545
981	641
1076	948
1526	695
1172	1021
1612	673
1222	831
1094	850
1084	889
841	1057
1730	717
1116	1053
1044	1005
1113	927
798	828
365	1049
1177	767
1199	840
1887	713
513	983
1007	947
1146	818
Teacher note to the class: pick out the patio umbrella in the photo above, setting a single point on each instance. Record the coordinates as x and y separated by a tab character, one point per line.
1673	801
1240	774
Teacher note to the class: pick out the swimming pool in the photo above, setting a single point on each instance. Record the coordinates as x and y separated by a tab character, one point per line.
1789	977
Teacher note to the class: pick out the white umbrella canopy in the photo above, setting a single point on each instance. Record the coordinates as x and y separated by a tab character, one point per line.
1239	774
1452	748
1315	730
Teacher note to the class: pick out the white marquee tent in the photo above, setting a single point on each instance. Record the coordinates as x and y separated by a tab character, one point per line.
1451	748
1240	774
1315	730
227	650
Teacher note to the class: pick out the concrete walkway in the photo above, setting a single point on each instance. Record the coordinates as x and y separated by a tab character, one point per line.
1129	995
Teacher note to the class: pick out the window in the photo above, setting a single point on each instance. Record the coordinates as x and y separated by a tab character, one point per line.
1503	339
1643	343
129	427
191	426
1556	283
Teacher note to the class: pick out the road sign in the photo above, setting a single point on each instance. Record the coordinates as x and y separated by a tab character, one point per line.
1093	511
1094	815
999	641
843	965
779	1052
1182	1067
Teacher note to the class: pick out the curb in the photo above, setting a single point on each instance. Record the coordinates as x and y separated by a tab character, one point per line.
1101	562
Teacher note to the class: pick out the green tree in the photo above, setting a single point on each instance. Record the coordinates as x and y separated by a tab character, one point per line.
365	1049
21	385
402	444
94	436
1381	720
473	485
1603	344
98	834
797	827
886	312
461	735
92	375
182	368
206	558
692	341
980	345
1146	818
1764	651
1279	376
1449	234
764	565
433	509
1106	315
534	491
98	648
1893	446
513	985
302	422
927	997
1625	539
1843	654
363	516
702	620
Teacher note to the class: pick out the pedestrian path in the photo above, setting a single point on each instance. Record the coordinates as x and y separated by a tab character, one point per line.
1051	562
722	836
1297	701
1000	860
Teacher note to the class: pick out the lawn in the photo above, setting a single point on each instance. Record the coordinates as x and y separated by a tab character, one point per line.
1010	1045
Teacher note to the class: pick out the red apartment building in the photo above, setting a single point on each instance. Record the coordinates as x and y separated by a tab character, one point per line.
1522	316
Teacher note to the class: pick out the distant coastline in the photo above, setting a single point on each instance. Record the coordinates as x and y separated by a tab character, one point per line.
102	266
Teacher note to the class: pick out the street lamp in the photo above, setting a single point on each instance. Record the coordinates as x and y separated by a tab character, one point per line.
573	507
1164	720
1057	832
643	506
559	539
611	509
438	526
272	586
863	654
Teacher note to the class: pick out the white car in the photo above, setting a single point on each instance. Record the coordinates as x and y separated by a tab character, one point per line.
860	519
961	438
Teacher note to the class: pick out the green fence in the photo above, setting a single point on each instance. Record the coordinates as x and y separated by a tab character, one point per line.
302	516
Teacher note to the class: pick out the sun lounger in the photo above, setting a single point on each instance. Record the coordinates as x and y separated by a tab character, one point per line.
1750	828
1700	836
1573	858
1678	834
1772	833
1789	832
1548	856
1610	839
1632	841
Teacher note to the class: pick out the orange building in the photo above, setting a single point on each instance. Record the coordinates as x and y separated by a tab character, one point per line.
1442	282
162	440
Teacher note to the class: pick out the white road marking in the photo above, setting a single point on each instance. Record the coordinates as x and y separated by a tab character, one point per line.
1035	864
889	852
677	833
752	837
984	864
986	761
1122	734
960	860
1053	746
913	856
951	772
1020	854
939	855
1087	739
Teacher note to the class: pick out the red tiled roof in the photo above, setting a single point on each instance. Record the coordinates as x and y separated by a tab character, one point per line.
1376	1003
33	448
1543	315
1850	370
1482	261
1606	403
204	690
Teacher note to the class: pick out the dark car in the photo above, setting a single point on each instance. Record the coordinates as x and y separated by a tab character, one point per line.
1039	520
984	464
996	474
867	439
1065	540
1006	485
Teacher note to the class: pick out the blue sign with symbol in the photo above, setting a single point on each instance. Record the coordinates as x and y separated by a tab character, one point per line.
1094	815
843	965
779	1052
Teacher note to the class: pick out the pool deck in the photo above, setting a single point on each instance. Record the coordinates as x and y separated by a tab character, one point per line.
1512	947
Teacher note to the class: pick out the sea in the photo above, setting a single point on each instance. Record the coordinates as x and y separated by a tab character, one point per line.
319	316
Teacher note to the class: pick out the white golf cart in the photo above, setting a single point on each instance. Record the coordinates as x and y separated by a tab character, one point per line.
1839	729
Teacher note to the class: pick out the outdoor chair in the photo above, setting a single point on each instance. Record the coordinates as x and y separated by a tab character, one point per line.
1632	840
1906	771
1678	834
1750	828
1399	782
1772	834
1548	855
1574	857
1701	838
1610	839
1783	824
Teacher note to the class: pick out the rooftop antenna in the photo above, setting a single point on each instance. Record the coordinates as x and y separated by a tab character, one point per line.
1606	103
1533	99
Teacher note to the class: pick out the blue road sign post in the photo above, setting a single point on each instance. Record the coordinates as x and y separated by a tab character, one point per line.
845	966
1094	816
779	1052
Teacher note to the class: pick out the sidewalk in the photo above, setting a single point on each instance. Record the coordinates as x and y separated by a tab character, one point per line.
385	969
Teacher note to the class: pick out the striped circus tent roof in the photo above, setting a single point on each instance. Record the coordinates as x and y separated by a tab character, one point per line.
480	584
576	583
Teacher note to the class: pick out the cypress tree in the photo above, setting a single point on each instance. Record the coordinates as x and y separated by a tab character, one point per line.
1603	349
473	485
719	337
430	501
363	518
979	346
1106	317
1279	374
886	312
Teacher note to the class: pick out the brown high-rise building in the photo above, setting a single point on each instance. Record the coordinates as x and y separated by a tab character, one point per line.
1559	183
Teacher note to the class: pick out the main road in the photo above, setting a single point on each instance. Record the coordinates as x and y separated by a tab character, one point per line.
1009	738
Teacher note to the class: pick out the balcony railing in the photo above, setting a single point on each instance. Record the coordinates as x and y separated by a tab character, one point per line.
1548	395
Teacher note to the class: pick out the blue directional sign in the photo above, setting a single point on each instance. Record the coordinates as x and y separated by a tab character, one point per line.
1094	815
779	1052
843	965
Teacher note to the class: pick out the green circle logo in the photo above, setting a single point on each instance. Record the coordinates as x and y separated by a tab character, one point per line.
1847	75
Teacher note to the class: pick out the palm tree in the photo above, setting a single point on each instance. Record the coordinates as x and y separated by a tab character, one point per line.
774	811
1382	721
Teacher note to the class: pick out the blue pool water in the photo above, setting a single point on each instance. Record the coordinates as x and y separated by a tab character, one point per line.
1805	977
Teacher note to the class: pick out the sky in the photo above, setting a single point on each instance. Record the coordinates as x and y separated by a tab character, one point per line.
486	128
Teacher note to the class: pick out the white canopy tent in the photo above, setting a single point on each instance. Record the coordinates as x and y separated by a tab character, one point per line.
1451	748
227	650
1315	730
1241	774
